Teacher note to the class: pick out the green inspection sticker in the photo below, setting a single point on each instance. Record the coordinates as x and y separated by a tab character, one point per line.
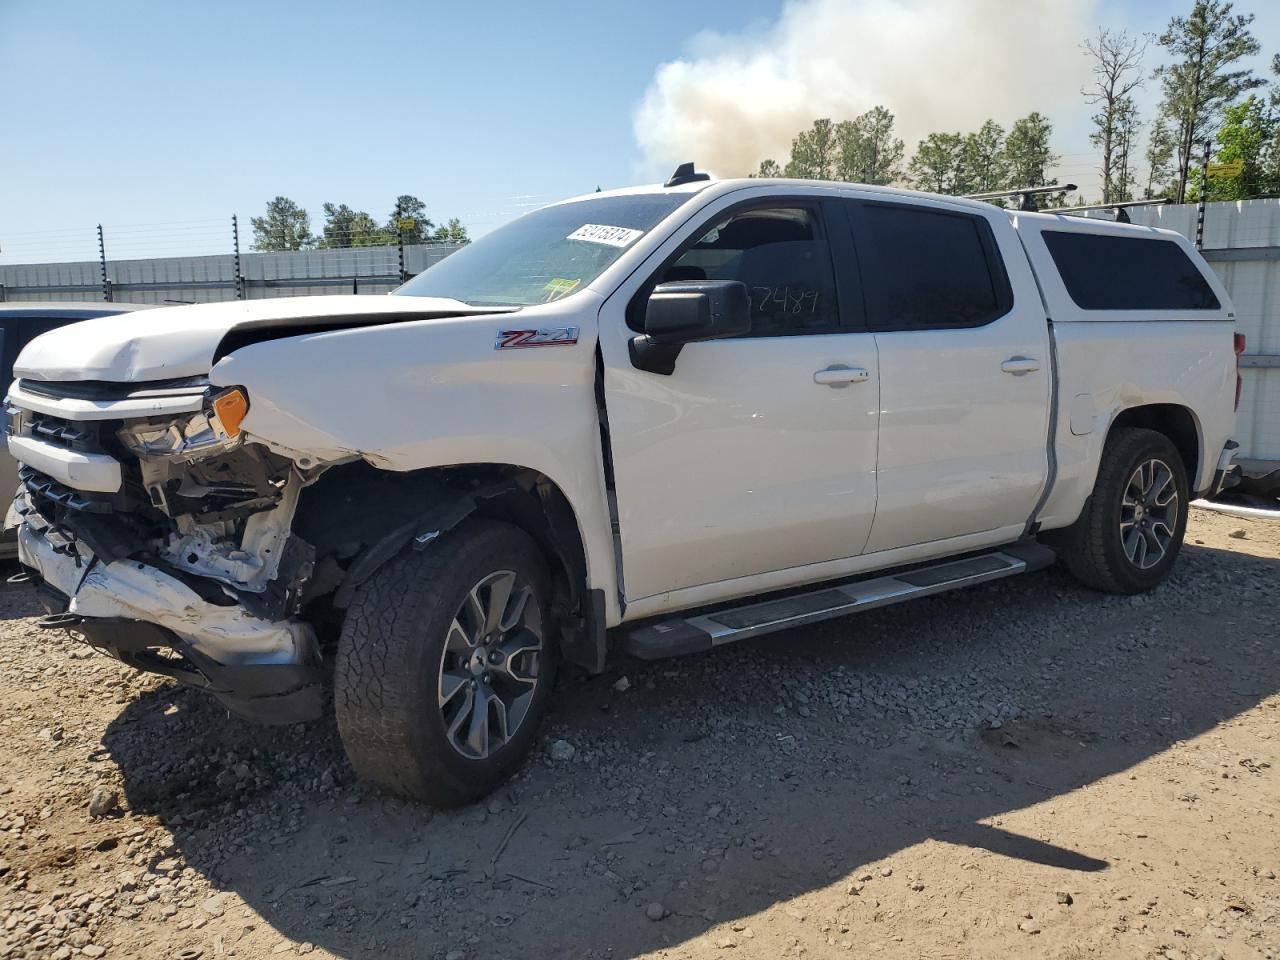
560	287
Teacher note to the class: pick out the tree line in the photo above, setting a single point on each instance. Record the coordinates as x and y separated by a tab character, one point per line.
287	226
1206	93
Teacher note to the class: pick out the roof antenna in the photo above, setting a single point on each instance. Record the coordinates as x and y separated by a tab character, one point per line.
686	174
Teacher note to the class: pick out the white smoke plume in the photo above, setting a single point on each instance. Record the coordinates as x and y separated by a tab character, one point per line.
936	64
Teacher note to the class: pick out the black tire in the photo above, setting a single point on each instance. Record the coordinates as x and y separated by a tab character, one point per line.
388	686
1094	549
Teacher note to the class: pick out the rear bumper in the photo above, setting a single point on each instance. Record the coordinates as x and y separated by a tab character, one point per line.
1227	474
267	671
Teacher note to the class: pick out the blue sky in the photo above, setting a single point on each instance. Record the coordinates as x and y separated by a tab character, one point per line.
145	112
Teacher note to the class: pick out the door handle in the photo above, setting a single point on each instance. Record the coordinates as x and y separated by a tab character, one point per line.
838	375
1019	366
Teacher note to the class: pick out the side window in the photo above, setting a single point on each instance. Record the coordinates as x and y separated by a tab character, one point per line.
783	257
928	269
1107	272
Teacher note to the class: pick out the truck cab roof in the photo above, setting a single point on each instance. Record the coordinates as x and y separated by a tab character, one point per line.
1040	219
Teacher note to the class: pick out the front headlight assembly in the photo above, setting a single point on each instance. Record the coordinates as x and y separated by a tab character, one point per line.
214	429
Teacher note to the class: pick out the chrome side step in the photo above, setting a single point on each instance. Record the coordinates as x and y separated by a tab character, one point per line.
681	635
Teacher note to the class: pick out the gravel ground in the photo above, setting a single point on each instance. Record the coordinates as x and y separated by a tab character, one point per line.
1022	769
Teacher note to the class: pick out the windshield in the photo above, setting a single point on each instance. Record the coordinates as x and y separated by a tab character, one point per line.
545	255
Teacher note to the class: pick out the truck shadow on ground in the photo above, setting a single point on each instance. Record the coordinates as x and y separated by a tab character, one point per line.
720	785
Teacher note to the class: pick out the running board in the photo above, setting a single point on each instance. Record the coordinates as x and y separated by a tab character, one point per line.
698	633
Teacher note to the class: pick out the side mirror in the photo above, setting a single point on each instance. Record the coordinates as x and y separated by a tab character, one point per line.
687	312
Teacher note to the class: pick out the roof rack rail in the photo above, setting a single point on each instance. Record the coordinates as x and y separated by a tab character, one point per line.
686	174
1026	195
1120	208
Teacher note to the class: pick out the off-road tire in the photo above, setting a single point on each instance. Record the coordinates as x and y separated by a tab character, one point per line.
387	669
1092	548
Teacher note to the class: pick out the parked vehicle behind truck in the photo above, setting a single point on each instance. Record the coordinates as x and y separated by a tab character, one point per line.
20	323
658	419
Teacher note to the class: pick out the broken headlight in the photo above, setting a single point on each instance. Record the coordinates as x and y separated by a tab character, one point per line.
214	429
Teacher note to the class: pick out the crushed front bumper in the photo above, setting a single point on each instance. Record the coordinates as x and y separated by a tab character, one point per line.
268	671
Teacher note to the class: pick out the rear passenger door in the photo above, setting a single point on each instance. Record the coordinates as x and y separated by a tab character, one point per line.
965	371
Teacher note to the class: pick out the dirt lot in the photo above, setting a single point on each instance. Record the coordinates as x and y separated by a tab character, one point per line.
1024	769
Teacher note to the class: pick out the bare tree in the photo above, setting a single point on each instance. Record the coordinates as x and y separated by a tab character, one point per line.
1117	72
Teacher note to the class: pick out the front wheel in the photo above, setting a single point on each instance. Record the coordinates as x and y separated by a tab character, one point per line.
445	665
1131	529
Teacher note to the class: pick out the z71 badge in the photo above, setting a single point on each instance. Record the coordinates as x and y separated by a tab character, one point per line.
556	337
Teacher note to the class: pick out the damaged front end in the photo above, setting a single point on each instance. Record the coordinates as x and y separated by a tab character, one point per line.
158	534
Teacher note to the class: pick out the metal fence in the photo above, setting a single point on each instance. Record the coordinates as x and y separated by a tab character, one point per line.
248	276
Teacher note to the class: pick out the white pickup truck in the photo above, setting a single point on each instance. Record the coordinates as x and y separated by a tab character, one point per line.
658	419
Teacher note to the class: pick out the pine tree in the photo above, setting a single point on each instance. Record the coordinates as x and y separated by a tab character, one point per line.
936	165
1027	152
1200	83
813	153
868	150
285	226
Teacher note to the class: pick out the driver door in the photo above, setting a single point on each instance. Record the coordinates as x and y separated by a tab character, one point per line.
758	453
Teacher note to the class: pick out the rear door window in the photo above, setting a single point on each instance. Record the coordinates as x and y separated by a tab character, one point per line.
928	269
1108	272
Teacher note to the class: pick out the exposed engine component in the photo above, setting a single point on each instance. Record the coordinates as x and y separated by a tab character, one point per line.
244	551
244	480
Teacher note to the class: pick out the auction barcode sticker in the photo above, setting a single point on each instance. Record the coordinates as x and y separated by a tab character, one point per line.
609	236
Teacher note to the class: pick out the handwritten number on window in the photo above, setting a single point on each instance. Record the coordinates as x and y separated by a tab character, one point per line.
785	300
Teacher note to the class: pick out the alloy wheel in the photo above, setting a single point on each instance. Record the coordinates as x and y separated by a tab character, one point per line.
489	666
1149	513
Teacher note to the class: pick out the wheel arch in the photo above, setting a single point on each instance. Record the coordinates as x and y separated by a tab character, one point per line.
418	509
1177	422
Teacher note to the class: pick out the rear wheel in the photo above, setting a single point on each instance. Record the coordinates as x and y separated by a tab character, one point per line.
445	665
1131	529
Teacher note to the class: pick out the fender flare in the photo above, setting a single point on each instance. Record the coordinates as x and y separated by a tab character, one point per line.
580	620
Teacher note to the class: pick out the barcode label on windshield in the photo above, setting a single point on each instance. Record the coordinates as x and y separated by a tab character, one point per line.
609	236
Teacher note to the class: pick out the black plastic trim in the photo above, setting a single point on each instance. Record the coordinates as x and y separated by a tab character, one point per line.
260	331
583	639
671	638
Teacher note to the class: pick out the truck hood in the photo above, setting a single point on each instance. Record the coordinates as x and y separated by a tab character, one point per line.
185	341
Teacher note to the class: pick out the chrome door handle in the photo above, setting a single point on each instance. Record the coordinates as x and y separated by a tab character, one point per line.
1020	366
840	376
